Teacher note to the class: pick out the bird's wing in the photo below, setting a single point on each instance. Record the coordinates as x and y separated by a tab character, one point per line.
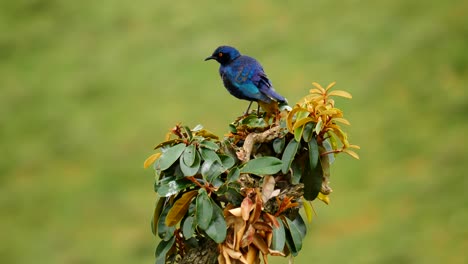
261	80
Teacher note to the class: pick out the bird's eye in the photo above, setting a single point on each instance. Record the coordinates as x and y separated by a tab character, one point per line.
220	54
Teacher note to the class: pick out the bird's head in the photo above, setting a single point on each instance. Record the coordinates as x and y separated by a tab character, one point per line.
224	55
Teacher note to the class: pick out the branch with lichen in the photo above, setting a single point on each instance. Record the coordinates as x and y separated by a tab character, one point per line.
244	153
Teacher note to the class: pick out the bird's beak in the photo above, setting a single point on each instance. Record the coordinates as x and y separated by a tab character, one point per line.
210	58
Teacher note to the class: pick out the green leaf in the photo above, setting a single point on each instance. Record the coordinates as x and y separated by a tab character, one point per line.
301	115
217	229
170	156
298	133
169	186
296	171
168	142
312	179
233	196
328	148
253	121
209	144
165	232
289	154
211	169
301	225
193	169
189	132
204	212
279	237
232	128
233	175
189	155
308	131
163	248
209	155
262	166
188	227
227	161
157	212
295	233
313	153
180	207
278	145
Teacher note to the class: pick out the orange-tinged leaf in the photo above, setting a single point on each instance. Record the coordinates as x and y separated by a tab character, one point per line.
151	159
340	93
324	198
247	238
351	153
257	208
260	243
268	187
262	226
180	207
341	120
252	255
235	254
246	207
270	218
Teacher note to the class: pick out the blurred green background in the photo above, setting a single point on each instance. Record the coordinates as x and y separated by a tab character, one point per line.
87	88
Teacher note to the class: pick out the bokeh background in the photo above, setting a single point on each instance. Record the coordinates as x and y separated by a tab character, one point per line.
87	88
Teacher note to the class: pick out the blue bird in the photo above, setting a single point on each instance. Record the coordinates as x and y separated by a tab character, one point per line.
244	78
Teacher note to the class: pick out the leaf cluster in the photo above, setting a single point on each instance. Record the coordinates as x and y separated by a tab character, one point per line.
244	192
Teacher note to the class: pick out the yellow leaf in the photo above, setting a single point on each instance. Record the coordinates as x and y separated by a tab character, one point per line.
168	136
351	153
318	126
206	134
318	86
354	146
324	198
330	86
308	210
332	111
340	93
151	159
302	122
341	120
315	91
291	114
180	207
340	134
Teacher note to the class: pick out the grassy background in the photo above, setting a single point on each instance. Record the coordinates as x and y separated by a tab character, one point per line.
87	88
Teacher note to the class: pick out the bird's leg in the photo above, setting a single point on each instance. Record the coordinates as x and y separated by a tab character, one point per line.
248	108
258	109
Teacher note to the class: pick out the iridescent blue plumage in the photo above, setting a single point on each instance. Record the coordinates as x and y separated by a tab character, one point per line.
243	76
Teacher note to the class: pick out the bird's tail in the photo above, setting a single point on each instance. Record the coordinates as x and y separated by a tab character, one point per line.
274	95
